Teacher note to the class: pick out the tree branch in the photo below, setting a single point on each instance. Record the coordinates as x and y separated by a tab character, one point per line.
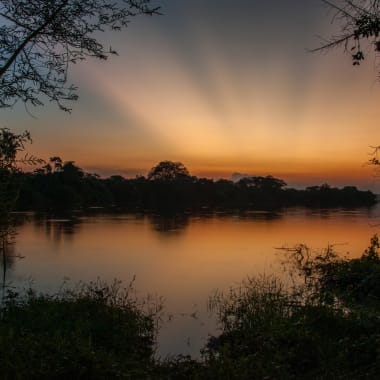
35	33
332	44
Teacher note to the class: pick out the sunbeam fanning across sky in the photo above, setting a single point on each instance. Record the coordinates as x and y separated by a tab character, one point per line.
222	88
201	189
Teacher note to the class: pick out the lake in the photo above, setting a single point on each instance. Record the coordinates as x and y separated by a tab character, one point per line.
182	258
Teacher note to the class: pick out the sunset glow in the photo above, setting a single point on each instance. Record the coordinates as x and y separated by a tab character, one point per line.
222	90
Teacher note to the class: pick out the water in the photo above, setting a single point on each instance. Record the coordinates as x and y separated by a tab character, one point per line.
184	258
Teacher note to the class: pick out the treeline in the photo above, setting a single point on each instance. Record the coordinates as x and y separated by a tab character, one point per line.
170	186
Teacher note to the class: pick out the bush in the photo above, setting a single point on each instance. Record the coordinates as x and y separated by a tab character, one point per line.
94	332
327	326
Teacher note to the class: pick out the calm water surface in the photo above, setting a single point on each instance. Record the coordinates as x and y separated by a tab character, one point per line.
183	258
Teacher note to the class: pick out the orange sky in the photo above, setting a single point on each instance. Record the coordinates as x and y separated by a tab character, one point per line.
222	90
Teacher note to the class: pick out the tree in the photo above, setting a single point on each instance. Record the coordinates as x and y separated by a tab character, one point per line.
359	22
57	163
40	39
267	183
11	145
71	173
168	171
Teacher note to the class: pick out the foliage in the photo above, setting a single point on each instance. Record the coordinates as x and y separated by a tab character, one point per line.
168	171
267	183
359	22
341	281
180	367
324	327
96	331
40	39
170	187
11	146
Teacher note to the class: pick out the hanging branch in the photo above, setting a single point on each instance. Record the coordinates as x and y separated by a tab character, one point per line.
40	39
359	21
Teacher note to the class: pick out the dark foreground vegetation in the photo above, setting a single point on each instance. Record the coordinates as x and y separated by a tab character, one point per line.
322	324
97	331
169	186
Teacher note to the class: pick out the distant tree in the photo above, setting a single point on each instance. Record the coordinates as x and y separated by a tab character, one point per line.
57	163
40	39
169	171
71	173
359	22
261	191
267	183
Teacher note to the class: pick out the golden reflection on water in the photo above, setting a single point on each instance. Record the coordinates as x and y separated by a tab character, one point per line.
183	258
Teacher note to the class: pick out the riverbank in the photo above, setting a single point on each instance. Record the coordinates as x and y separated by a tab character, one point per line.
326	326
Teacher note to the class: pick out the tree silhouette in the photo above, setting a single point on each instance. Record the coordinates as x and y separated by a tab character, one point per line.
267	183
168	171
40	39
57	163
11	146
359	22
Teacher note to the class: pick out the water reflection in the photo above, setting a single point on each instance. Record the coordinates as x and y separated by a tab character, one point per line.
175	224
56	228
7	256
168	225
265	215
182	257
371	212
59	229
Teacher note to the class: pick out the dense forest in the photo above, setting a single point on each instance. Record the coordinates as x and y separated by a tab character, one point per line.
169	186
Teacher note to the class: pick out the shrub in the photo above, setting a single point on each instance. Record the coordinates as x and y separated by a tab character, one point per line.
96	331
327	326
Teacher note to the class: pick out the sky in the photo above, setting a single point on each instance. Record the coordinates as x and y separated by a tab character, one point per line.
221	86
